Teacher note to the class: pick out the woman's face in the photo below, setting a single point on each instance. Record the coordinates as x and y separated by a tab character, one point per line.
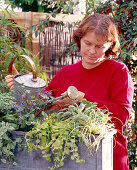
92	50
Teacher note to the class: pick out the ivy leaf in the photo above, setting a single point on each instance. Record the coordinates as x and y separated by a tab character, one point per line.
3	160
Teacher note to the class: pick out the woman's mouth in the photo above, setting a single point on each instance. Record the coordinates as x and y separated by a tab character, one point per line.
91	57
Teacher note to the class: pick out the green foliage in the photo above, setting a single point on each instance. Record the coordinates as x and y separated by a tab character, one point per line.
91	6
132	146
12	46
26	112
16	117
12	40
59	134
49	6
7	145
8	123
6	102
30	5
131	132
125	14
3	87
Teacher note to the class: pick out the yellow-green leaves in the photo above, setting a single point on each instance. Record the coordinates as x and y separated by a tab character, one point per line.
59	135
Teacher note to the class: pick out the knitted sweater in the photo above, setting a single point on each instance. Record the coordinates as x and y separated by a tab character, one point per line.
111	86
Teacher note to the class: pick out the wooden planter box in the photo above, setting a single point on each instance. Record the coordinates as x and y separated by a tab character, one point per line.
100	160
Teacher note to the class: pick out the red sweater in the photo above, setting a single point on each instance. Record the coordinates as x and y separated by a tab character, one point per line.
111	86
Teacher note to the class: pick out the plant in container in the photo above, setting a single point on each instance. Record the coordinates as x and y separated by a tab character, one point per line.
58	135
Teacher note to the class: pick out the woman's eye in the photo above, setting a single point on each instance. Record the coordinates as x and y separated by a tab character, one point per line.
99	46
87	43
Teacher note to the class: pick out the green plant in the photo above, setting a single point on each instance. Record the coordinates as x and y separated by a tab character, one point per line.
8	123
3	87
125	14
48	6
16	117
7	145
10	46
131	132
7	112
59	134
6	102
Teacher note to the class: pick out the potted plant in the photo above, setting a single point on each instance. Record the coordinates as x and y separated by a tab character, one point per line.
80	132
60	133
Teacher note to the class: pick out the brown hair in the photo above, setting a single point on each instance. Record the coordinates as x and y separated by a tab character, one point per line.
105	29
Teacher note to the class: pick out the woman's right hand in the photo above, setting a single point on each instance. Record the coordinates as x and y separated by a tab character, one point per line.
10	78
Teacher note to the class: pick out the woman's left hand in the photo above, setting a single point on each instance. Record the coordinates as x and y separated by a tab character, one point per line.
68	101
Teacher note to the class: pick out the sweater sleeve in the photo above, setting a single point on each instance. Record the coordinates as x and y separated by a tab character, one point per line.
121	95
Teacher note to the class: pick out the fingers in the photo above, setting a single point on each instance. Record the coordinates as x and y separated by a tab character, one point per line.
68	101
64	102
64	94
81	96
9	79
14	70
11	85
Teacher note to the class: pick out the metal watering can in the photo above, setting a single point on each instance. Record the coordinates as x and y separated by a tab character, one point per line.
35	85
27	82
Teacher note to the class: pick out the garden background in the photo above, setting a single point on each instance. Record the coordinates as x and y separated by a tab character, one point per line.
43	30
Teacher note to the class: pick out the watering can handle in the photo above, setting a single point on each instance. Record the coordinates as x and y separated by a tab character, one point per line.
31	63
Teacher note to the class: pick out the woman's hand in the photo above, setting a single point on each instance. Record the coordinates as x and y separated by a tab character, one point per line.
68	101
10	79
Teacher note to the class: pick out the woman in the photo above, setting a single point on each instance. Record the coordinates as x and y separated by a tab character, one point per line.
98	77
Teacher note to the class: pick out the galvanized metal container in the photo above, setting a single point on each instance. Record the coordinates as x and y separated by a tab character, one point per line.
24	86
27	84
100	160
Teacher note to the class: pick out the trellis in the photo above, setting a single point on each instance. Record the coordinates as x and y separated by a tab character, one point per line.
54	47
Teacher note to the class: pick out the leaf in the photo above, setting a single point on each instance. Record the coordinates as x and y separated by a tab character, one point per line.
15	163
135	41
3	160
53	15
36	33
135	77
81	106
5	136
33	28
5	150
44	114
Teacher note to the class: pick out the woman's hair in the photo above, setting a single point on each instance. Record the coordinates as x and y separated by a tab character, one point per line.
105	29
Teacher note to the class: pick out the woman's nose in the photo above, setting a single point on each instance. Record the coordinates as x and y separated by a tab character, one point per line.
92	49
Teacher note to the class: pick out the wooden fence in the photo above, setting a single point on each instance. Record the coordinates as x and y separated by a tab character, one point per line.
50	45
55	47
